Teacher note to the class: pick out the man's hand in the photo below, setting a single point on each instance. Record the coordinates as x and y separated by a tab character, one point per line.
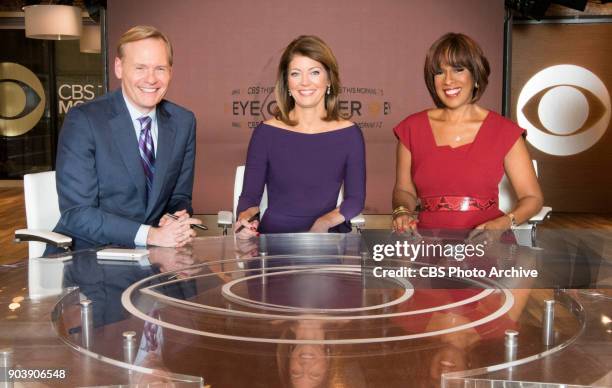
174	260
173	233
180	214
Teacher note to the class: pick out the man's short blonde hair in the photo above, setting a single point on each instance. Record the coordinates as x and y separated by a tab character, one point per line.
137	33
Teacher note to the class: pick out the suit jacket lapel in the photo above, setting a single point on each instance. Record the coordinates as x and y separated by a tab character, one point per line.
125	140
163	157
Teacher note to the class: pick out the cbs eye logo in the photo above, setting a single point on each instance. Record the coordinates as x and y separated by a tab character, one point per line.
565	109
22	99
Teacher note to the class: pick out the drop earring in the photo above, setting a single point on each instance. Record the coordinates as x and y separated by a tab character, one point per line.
328	89
289	91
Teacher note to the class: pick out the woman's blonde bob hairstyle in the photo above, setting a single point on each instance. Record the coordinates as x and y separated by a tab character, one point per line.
314	48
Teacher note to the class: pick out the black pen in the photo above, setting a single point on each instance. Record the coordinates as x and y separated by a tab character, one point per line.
253	218
201	227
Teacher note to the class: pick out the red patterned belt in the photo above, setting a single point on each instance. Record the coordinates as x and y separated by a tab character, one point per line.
456	203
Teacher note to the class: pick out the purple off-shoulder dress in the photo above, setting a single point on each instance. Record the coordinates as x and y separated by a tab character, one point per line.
303	174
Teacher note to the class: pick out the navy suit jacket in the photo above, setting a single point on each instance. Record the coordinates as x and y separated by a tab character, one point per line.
100	180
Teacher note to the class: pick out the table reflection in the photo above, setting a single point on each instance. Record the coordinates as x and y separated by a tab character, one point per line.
298	311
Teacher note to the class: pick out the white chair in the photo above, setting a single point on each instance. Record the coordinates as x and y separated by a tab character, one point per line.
507	200
42	214
226	219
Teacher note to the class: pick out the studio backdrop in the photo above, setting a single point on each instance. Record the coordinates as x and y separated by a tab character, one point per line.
561	82
226	54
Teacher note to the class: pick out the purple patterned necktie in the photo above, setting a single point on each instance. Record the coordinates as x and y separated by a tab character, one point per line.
147	151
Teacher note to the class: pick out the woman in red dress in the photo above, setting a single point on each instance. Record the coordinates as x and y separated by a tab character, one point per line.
452	157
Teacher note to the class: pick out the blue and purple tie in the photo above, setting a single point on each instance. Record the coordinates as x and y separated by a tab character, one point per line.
147	151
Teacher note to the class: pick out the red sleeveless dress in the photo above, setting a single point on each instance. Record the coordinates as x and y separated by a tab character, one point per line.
471	170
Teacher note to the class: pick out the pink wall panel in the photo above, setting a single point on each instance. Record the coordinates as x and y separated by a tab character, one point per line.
225	50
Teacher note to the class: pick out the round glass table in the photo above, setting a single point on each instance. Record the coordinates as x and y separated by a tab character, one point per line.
294	310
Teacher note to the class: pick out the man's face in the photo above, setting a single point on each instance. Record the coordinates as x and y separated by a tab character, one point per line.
145	72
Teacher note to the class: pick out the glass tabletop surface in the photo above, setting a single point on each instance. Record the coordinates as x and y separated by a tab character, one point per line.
305	310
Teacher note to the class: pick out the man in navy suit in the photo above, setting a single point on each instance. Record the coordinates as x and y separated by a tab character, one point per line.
127	158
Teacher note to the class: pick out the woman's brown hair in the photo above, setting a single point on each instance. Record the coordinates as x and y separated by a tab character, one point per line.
314	48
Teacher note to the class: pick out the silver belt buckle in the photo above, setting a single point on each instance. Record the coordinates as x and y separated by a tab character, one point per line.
465	204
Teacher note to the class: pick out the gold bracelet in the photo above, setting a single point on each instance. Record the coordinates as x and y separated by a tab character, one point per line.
403	210
398	212
400	209
410	214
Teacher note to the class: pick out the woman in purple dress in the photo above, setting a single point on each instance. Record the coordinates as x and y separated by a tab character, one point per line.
305	153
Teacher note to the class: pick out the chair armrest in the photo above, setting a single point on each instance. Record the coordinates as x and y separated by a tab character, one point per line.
45	236
358	221
542	215
225	219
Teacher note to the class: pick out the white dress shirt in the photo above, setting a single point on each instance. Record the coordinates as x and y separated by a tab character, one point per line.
135	114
